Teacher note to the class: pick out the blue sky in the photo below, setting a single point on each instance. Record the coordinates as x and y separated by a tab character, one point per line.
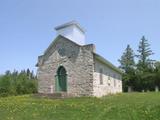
27	27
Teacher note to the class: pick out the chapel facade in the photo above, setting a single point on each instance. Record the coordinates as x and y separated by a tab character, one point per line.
71	67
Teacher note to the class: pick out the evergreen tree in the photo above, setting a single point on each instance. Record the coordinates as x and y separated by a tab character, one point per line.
145	68
28	72
127	63
145	52
143	76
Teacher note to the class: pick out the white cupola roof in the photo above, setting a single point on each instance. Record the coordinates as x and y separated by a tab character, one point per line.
73	31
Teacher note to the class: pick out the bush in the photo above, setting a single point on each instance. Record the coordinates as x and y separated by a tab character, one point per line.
18	83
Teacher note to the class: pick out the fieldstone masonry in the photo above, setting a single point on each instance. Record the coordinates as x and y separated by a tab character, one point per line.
71	68
82	69
78	62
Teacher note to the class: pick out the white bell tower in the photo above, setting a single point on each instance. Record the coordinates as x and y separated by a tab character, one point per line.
73	31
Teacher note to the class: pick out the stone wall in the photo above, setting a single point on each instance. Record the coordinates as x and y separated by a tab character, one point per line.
78	62
112	82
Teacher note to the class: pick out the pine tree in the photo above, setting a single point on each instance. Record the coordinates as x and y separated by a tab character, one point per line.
128	65
28	72
145	52
127	60
145	78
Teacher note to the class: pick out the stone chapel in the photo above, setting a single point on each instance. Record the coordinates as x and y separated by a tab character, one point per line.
71	67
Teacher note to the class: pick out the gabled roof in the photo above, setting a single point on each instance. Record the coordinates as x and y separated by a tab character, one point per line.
109	64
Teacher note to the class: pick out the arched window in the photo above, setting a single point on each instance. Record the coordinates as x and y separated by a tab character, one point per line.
61	71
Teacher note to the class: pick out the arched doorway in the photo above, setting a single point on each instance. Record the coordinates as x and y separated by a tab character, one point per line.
61	79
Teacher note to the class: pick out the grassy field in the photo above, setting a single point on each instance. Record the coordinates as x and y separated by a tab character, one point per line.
133	106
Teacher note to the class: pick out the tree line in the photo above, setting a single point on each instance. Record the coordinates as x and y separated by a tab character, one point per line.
18	83
141	73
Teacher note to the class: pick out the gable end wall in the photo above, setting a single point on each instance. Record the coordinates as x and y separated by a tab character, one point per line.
78	62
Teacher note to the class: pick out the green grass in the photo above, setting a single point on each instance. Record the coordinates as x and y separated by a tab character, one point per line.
133	106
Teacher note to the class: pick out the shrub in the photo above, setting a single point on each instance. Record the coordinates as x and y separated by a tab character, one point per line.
18	83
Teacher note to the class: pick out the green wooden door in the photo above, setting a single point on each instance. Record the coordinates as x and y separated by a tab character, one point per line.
61	79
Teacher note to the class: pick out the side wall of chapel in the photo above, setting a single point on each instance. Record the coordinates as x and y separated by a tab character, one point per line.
106	80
